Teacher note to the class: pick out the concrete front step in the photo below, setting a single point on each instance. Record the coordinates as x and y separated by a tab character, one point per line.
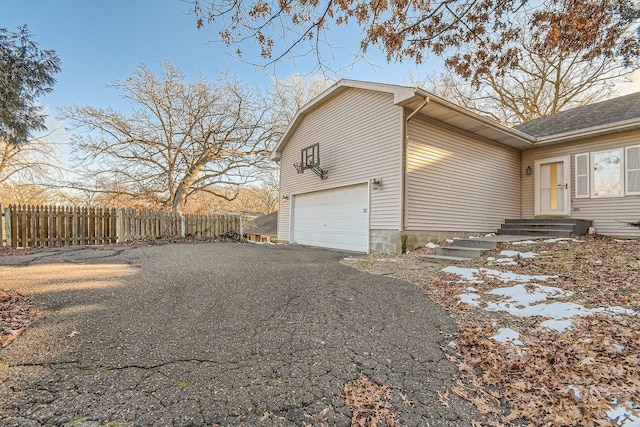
536	225
476	243
544	220
536	232
454	253
461	251
559	220
443	259
548	226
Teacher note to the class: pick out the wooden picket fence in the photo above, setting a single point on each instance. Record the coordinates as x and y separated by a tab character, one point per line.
50	226
147	224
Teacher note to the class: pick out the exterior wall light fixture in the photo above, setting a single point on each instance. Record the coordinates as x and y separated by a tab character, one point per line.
529	171
376	183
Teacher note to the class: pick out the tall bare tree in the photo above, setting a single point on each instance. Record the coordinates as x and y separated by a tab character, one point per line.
289	95
545	80
181	138
24	194
34	161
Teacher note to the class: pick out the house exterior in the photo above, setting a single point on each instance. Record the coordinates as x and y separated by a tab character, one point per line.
373	167
598	147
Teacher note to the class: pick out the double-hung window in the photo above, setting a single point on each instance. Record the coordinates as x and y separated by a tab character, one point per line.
607	173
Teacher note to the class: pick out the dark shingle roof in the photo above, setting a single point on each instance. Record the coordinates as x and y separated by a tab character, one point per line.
265	225
601	113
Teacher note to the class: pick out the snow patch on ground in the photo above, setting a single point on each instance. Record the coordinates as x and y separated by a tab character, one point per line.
524	242
557	324
518	254
470	299
623	415
575	390
431	245
469	274
507	336
531	294
563	240
532	300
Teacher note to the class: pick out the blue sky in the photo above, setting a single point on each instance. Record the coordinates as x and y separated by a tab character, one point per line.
103	41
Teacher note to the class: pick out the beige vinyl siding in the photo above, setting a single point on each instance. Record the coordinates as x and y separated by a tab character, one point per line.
608	213
284	223
457	182
360	137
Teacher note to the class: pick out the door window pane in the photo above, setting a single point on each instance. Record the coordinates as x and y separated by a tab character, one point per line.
552	187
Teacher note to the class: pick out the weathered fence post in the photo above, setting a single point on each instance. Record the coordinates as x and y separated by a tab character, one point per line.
2	225
120	227
182	226
8	221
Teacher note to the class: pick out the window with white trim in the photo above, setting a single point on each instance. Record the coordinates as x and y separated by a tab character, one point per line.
607	173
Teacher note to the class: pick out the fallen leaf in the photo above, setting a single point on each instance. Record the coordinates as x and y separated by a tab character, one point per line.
443	398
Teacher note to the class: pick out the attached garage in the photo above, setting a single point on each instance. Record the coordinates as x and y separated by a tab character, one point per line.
337	218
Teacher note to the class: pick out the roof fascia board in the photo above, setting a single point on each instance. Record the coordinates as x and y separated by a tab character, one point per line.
520	136
589	132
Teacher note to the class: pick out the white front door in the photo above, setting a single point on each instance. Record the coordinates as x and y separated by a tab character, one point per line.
552	182
336	218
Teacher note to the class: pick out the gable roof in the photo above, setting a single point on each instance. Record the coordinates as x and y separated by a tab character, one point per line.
414	98
614	115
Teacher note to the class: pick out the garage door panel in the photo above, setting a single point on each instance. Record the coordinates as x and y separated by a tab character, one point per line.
336	218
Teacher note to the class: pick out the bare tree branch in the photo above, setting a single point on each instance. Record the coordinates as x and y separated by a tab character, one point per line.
181	137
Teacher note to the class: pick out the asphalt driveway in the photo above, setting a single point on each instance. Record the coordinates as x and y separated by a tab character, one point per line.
227	334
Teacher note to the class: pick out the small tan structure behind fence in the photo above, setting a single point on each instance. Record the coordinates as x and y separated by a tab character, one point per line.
49	226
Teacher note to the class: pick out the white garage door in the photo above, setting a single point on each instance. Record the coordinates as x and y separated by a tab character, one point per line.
337	218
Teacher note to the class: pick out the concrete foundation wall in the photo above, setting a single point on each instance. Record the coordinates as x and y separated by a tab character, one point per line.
385	241
394	241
